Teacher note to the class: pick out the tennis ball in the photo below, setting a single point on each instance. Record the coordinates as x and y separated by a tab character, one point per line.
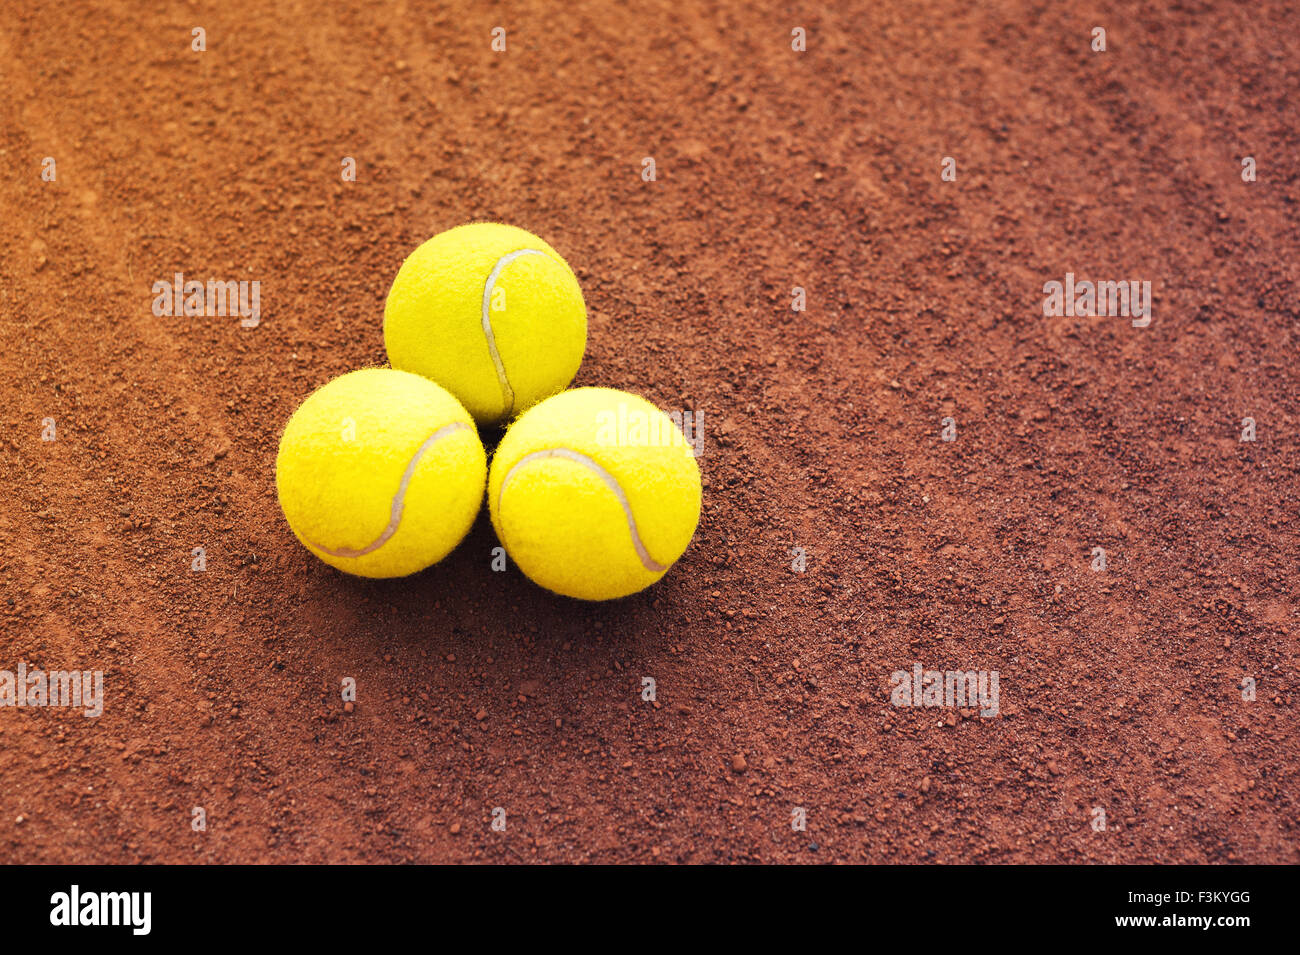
594	493
380	473
490	312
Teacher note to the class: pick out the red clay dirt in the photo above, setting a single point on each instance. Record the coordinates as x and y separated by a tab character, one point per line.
1120	690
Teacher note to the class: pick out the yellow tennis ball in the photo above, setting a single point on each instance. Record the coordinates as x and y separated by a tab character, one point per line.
490	312
594	493
380	473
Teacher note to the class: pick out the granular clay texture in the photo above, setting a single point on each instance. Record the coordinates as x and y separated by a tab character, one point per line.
1120	690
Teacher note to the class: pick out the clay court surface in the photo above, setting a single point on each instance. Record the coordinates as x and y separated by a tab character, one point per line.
1119	689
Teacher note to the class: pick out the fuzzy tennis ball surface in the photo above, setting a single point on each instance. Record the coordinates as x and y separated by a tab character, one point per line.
380	473
594	493
490	312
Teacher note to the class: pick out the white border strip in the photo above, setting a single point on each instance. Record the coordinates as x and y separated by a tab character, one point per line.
399	499
507	393
590	464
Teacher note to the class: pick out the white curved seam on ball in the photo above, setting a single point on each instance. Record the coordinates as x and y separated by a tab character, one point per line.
507	392
611	482
399	499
